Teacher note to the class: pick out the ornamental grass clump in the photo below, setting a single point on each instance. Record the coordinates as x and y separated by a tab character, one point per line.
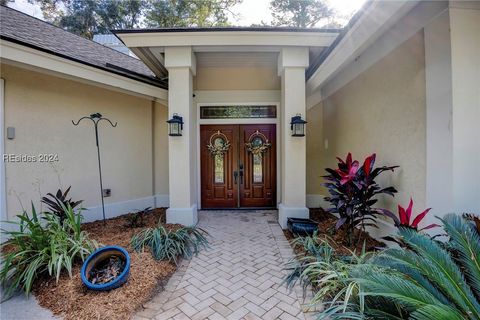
42	244
168	244
324	271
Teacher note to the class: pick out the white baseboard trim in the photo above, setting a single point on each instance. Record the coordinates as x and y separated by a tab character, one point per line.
162	200
186	216
285	212
112	210
117	208
316	201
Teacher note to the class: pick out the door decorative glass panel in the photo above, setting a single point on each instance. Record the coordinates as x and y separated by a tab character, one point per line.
257	145
219	169
257	168
218	146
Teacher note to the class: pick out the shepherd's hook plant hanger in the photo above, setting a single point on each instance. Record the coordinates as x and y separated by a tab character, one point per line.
96	118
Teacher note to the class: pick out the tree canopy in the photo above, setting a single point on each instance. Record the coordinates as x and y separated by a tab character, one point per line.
89	17
189	13
300	13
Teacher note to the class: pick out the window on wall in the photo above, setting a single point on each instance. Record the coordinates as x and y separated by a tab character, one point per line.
238	112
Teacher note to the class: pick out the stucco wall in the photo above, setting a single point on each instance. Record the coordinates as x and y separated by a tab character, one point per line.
41	108
381	111
161	149
315	151
236	78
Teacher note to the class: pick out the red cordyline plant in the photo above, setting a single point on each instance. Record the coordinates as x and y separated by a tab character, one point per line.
353	191
404	218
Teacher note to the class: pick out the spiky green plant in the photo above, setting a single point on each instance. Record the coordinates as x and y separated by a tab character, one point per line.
168	244
42	244
426	279
325	272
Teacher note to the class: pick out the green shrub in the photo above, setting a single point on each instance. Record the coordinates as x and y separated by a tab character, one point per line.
168	244
324	271
42	245
426	279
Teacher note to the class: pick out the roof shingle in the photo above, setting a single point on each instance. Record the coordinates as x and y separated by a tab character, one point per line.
20	28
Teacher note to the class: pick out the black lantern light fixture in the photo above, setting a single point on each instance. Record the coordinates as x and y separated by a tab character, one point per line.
175	126
297	125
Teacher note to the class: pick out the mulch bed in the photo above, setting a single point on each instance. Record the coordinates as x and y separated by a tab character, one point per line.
338	238
70	299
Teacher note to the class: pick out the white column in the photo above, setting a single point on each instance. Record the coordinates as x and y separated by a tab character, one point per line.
291	67
180	62
465	39
438	75
452	67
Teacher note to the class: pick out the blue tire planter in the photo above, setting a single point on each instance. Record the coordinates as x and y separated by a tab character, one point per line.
99	256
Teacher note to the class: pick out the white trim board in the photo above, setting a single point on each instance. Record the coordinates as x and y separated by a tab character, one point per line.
162	200
116	209
22	56
112	210
220	40
3	193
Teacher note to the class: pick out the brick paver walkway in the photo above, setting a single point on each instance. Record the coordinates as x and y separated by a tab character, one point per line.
239	277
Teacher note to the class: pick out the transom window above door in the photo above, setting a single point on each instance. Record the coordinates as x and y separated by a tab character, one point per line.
238	112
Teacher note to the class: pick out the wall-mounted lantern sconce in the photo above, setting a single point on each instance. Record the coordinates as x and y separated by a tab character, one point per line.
175	126
297	125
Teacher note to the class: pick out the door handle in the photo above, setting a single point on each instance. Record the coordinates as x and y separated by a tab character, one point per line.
235	175
241	173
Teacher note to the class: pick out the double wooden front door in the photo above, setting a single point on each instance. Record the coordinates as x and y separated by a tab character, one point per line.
238	166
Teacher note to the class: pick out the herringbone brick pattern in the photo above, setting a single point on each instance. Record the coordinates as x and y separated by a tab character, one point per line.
239	277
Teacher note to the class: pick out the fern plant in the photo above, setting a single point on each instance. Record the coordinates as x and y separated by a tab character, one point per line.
168	244
426	279
42	245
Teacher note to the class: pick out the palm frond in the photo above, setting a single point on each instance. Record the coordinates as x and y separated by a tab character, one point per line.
466	242
436	312
436	264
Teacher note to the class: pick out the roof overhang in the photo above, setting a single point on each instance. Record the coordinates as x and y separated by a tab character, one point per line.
202	40
30	58
376	17
149	44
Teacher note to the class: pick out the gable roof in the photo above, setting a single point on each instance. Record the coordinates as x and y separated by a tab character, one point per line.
29	31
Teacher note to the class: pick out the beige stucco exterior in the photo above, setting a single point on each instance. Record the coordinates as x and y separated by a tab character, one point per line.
408	93
315	151
160	146
392	124
236	78
382	111
41	107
